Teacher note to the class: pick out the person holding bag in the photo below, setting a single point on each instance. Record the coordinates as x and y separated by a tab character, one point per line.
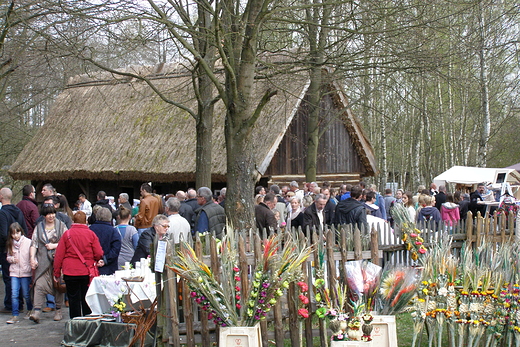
77	256
45	239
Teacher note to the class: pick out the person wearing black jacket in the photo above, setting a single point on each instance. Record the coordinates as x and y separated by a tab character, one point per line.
160	226
352	210
440	197
317	214
9	214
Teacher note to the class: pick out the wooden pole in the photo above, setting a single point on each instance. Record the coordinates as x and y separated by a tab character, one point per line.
374	246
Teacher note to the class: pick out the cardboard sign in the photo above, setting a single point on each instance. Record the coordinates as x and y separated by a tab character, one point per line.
160	256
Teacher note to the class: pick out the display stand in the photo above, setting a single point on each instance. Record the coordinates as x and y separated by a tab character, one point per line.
240	337
384	333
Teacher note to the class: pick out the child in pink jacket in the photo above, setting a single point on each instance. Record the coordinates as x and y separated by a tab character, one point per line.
450	213
17	247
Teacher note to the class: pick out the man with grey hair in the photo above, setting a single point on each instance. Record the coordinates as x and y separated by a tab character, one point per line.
296	190
185	210
211	217
317	215
180	229
110	241
121	201
280	202
222	197
191	199
159	228
264	215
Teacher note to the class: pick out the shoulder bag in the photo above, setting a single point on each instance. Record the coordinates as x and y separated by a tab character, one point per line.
92	268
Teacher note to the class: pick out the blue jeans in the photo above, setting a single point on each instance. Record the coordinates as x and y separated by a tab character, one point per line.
22	283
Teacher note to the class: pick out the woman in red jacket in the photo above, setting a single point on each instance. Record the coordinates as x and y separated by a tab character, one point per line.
75	272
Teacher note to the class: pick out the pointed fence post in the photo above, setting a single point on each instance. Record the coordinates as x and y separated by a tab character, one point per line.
374	245
358	248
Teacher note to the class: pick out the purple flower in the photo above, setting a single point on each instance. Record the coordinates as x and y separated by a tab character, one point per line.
260	301
265	285
263	294
257	317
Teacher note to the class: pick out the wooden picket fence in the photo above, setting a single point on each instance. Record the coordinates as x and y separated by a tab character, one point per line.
481	229
181	322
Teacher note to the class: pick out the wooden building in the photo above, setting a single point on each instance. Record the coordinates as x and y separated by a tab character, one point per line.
110	132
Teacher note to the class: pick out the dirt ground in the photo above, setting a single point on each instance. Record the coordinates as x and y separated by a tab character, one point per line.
26	333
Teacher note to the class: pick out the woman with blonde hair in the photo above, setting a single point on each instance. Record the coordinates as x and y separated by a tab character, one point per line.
295	214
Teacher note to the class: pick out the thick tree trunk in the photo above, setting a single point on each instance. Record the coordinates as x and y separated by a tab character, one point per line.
241	176
204	130
313	127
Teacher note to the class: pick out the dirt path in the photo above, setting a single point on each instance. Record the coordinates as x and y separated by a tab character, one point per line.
26	333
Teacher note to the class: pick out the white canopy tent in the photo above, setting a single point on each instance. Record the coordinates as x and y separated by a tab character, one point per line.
467	175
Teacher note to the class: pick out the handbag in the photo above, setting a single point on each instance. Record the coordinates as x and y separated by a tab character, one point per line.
60	285
92	269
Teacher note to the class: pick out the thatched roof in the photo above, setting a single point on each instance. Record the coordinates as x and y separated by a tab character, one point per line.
109	127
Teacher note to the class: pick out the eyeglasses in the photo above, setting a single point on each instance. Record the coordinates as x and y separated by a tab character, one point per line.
48	205
166	226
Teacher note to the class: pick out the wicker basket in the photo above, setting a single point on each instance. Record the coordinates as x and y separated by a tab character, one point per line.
132	317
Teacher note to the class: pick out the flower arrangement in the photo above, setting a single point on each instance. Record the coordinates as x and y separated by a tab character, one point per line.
228	302
363	279
410	235
119	307
477	298
304	300
398	287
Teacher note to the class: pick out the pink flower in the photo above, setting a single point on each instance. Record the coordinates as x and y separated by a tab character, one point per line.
193	294
303	312
422	250
303	286
236	269
239	306
304	299
237	288
418	243
413	235
237	278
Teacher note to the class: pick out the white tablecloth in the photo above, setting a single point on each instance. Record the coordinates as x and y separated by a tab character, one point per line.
104	291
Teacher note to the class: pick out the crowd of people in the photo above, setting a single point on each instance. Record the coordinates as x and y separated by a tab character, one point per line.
40	244
43	245
313	206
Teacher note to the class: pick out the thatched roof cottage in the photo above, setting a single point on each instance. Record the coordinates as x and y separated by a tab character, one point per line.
110	132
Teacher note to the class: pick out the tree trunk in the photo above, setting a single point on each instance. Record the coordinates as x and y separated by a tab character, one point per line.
204	130
313	126
241	176
205	100
486	119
